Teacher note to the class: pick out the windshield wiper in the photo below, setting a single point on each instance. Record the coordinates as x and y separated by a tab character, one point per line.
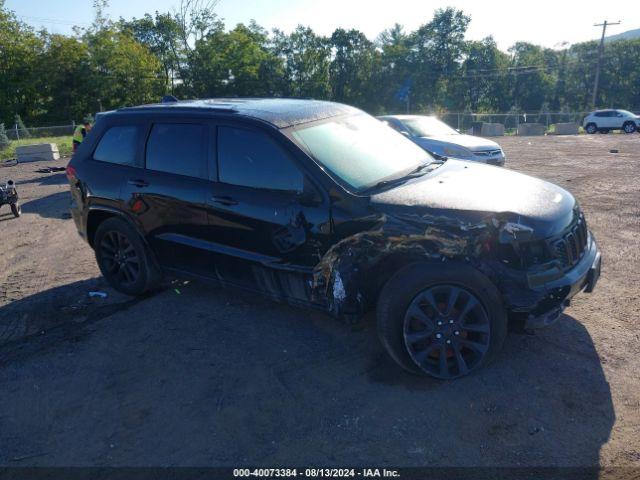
417	172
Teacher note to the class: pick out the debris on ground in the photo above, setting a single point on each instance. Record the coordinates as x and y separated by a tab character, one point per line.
51	169
614	150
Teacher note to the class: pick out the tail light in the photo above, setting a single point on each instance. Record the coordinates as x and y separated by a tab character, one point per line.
70	172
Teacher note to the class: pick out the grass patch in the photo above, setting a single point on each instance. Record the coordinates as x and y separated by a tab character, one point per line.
64	145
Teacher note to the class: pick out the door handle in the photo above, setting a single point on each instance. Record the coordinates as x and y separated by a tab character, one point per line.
224	200
136	182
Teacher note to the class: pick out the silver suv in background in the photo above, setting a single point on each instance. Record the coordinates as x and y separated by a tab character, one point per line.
436	137
604	121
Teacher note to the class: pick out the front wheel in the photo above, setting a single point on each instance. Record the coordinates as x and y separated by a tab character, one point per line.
629	127
444	323
123	258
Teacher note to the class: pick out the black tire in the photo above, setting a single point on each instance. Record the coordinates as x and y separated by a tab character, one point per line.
629	127
591	128
401	292
16	209
123	258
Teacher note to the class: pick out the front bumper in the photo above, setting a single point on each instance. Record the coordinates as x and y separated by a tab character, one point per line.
557	293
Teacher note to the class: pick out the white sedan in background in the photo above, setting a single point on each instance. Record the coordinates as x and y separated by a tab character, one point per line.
437	137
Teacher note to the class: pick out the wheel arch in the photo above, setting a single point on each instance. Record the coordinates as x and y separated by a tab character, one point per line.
352	274
98	214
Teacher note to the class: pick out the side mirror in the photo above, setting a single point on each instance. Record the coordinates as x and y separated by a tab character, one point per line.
441	158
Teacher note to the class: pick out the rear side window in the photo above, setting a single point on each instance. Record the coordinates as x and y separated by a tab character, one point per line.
252	159
118	145
177	148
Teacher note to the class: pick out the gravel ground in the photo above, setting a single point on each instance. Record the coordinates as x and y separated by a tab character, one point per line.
212	377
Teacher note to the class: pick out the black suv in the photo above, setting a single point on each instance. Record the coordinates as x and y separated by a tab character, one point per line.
319	204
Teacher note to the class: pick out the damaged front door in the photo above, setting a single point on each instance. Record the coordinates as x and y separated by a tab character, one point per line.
271	223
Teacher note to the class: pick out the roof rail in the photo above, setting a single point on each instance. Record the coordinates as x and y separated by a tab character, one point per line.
169	99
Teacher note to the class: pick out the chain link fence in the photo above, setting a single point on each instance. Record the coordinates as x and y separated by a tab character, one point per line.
463	121
15	133
472	122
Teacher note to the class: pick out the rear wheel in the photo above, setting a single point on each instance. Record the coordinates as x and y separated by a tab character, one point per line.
124	259
629	127
591	128
442	323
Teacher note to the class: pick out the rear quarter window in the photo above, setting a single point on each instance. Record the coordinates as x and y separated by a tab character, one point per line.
118	145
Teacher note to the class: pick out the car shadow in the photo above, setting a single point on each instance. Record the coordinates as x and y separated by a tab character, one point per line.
196	375
53	178
55	205
4	216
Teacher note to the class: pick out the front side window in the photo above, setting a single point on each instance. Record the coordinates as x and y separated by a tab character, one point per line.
360	150
251	158
118	145
177	148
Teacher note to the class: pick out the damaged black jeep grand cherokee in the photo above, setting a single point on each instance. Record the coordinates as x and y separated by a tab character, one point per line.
319	204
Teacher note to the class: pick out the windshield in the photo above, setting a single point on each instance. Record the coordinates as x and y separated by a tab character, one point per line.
627	113
427	127
360	150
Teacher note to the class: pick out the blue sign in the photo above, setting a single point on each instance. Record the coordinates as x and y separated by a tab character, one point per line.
403	94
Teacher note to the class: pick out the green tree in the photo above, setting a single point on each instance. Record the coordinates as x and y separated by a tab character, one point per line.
620	77
161	35
4	140
237	63
436	51
65	74
19	50
122	71
306	57
393	69
530	76
482	85
352	68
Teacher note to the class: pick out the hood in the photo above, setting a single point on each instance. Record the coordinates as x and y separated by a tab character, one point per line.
474	144
471	192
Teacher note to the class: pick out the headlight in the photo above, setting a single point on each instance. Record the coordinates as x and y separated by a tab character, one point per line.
457	152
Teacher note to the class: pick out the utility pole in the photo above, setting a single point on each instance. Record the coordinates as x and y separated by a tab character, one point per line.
600	54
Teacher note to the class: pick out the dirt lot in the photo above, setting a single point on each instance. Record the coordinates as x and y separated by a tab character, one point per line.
214	377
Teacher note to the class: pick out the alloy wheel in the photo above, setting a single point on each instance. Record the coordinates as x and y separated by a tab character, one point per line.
446	331
120	258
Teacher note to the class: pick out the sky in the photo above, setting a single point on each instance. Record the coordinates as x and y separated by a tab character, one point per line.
544	22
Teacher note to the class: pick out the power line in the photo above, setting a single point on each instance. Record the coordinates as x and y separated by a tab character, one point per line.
52	20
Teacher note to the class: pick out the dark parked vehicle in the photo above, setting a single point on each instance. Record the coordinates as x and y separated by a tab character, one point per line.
319	204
